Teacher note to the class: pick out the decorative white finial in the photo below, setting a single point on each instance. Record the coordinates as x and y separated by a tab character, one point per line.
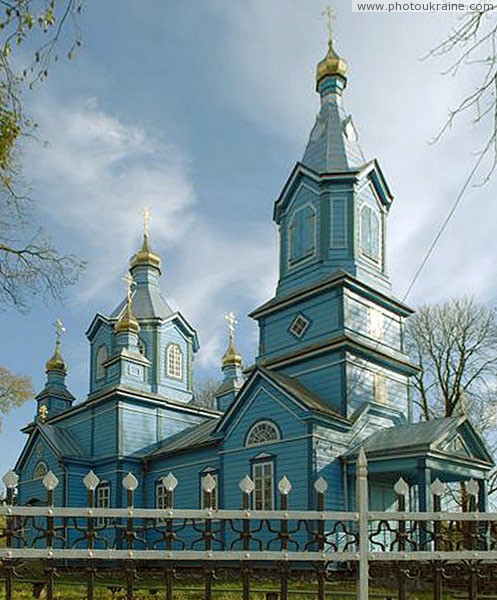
169	482
246	485
91	481
284	486
130	482
437	487
321	485
208	483
10	480
329	14
50	481
401	488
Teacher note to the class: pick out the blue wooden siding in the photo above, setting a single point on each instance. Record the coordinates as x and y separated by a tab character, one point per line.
103	337
324	376
323	313
357	320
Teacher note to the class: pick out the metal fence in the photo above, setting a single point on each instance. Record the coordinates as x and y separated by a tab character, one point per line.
160	548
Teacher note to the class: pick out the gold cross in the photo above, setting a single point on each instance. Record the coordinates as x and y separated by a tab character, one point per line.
60	329
42	413
128	279
230	317
146	220
329	13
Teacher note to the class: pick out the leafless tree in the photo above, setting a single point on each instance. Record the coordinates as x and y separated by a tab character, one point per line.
472	44
205	391
455	344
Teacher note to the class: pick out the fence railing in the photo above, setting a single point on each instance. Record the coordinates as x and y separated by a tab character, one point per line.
448	549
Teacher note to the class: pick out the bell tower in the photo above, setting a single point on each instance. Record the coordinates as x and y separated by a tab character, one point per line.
333	323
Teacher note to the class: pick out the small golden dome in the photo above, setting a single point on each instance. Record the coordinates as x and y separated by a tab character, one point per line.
56	362
231	356
145	256
127	321
331	64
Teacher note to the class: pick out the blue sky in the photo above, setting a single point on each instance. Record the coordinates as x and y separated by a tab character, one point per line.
199	109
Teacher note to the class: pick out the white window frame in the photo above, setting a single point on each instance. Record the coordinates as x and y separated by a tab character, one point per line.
376	323
380	388
262	497
174	361
102	499
374	214
258	425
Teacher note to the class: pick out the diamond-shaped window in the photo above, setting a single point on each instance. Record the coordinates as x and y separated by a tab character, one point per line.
299	326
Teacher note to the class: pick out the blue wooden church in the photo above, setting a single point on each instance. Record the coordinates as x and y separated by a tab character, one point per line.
331	373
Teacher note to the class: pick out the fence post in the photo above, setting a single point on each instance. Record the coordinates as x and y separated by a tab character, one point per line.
130	483
401	488
472	488
320	486
10	480
170	483
90	482
437	490
284	488
362	508
246	486
208	487
50	482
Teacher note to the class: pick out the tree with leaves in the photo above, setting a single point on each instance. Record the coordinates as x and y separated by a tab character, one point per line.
32	32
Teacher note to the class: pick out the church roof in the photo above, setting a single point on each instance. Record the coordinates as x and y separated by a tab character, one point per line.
333	143
422	437
302	394
147	303
187	439
61	440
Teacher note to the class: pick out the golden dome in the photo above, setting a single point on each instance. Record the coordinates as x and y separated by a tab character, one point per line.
56	362
231	356
331	64
127	321
145	256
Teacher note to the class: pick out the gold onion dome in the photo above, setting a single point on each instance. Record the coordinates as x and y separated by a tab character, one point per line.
127	321
56	362
231	356
145	256
331	64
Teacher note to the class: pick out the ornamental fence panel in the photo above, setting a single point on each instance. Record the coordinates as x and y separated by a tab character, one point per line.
273	554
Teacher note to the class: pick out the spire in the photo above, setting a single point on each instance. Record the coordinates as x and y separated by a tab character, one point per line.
55	397
231	356
145	256
57	362
232	369
331	73
127	321
333	143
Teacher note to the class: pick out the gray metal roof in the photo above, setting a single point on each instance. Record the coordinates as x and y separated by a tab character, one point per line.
302	394
62	440
329	148
413	436
147	303
187	439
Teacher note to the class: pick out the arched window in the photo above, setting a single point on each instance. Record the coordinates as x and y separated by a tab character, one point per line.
370	233
263	432
174	361
303	234
40	471
99	362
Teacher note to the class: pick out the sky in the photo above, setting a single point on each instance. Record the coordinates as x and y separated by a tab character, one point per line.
199	110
